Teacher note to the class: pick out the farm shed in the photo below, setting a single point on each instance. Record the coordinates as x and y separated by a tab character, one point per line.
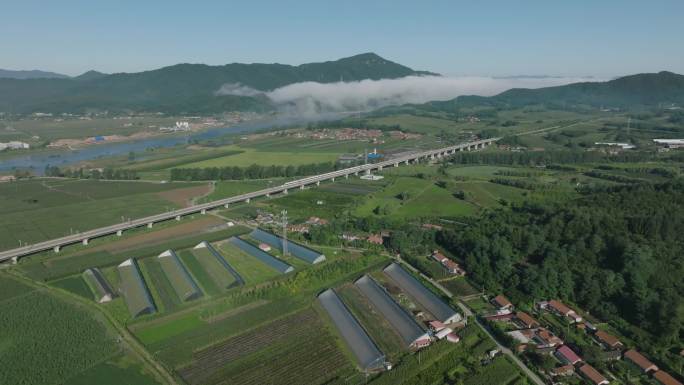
421	294
185	287
367	354
401	321
296	249
134	290
98	285
266	258
206	246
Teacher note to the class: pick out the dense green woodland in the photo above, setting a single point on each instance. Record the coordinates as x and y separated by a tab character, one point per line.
617	254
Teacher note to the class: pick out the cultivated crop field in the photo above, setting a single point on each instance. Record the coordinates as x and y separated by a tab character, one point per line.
289	350
75	340
159	285
265	158
37	210
250	268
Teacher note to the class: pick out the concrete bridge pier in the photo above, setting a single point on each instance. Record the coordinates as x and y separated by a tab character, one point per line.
56	249
268	195
396	164
204	211
226	205
301	187
15	260
149	225
368	172
333	179
318	183
408	162
285	192
178	217
85	242
119	233
247	200
346	176
356	173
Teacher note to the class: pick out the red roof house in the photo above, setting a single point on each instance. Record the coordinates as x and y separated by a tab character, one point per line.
566	355
640	361
665	378
608	340
502	303
593	375
526	320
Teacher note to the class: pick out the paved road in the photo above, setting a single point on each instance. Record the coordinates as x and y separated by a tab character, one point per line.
202	208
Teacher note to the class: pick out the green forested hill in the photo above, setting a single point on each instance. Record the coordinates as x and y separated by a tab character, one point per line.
649	89
617	254
184	88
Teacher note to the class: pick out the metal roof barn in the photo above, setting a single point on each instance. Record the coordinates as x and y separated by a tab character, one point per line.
421	294
266	258
299	251
206	246
185	287
367	354
401	321
98	285
134	289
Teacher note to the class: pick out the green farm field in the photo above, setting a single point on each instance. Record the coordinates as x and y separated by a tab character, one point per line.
250	269
37	210
266	158
76	341
424	199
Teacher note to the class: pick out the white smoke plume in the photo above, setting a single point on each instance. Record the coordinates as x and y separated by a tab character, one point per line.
311	98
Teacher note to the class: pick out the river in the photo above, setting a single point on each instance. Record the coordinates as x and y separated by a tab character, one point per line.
37	161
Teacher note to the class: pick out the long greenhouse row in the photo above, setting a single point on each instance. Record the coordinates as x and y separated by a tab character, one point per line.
150	285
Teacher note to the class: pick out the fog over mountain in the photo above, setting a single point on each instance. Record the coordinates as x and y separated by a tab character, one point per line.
311	98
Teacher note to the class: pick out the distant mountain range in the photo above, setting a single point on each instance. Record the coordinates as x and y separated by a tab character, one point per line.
33	74
647	89
194	89
184	88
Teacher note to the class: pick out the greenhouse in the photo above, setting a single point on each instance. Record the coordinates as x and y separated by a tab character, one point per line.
427	299
262	256
401	321
181	281
299	251
204	250
134	290
367	354
98	285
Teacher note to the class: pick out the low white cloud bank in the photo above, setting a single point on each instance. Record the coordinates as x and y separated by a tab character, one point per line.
311	98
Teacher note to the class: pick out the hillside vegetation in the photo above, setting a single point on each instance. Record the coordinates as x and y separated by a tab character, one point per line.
184	88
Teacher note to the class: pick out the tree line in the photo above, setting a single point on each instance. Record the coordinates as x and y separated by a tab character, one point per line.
254	171
81	173
547	157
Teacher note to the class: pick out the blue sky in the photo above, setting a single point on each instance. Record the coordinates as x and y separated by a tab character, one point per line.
497	37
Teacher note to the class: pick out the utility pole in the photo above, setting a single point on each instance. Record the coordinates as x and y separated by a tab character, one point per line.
284	219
